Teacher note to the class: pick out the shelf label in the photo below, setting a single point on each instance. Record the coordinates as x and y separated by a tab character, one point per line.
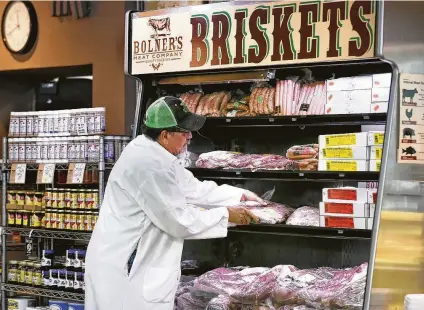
341	165
18	174
349	139
45	173
340	152
76	173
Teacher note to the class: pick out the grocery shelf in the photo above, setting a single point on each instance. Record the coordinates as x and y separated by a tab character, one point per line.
29	290
51	234
298	120
303	231
281	175
59	166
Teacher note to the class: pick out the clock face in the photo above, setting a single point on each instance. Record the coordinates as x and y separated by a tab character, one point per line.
19	26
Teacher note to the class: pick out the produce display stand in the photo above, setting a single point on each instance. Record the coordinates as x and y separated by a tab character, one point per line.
178	72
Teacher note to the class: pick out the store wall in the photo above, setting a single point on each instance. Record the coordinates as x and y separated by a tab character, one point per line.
97	40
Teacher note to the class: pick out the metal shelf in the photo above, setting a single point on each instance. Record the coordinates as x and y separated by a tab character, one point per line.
298	120
29	290
59	166
281	175
51	234
303	231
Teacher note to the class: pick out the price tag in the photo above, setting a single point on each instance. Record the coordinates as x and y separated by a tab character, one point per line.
76	173
18	174
45	173
28	246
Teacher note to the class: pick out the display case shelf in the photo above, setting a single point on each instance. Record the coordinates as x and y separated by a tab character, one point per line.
280	175
29	290
59	166
50	234
298	120
303	231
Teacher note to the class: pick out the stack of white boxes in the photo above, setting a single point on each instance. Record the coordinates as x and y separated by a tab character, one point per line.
350	151
358	94
347	207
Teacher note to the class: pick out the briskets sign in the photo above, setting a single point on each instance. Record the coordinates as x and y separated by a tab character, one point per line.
234	35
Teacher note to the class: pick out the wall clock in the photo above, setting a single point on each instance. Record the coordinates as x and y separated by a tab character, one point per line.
19	27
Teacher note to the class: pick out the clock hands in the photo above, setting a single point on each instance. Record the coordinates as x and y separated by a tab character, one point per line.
17	27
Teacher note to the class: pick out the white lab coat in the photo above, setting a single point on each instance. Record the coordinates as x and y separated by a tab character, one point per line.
150	200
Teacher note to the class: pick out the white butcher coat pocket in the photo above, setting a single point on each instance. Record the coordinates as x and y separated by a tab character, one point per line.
160	284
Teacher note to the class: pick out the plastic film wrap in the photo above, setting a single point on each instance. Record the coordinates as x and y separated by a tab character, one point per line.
304	216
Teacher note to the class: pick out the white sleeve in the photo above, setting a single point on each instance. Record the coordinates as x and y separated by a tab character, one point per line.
163	201
208	194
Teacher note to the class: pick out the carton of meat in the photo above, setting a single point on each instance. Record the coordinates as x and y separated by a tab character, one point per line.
345	194
375	138
349	209
347	108
371	210
345	165
362	96
380	94
372	195
344	152
370	222
379	107
375	165
381	80
376	152
343	222
347	139
350	83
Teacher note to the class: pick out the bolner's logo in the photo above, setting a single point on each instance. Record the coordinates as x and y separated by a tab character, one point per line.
160	47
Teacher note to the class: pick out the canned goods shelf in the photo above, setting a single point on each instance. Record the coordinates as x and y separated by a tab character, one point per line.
29	290
51	234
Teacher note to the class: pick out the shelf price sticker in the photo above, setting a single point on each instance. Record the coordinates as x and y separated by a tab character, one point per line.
18	174
45	173
76	173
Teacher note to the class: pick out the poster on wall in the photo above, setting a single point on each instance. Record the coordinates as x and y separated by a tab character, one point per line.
231	35
411	127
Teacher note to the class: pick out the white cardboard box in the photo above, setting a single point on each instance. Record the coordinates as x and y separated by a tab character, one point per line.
381	80
349	108
362	96
379	107
372	195
350	83
347	139
375	165
375	138
345	194
343	222
380	94
355	209
370	223
371	210
344	152
376	152
342	165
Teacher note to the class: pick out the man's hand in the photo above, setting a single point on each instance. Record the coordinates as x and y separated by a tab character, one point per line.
249	196
241	216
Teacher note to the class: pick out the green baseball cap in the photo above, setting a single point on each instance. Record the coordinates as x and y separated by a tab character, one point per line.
171	112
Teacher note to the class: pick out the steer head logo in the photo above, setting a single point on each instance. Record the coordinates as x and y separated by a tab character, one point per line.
156	66
160	26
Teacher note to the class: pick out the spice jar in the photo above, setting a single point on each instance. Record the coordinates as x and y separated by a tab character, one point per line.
11	197
47	258
87	221
81	199
20	198
61	198
20	276
47	219
87	179
74	199
48	197
62	176
94	176
80	220
37	219
95	199
38	199
68	199
73	221
53	218
29	198
12	271
70	276
28	273
60	219
68	219
18	218
11	217
25	218
54	197
37	275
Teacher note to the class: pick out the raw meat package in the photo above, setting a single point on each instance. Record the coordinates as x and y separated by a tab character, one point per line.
299	152
272	213
304	216
247	286
322	288
191	100
262	100
231	160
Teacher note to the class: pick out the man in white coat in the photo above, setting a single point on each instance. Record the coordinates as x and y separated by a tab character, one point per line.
151	204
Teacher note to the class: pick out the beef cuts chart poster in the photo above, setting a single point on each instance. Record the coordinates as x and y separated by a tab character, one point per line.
411	129
231	35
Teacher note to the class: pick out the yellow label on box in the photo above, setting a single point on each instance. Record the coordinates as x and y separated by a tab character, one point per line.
340	152
349	139
378	153
378	138
378	166
333	165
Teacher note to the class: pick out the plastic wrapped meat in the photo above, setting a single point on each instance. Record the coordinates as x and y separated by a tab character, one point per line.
272	213
304	216
215	159
323	288
187	301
